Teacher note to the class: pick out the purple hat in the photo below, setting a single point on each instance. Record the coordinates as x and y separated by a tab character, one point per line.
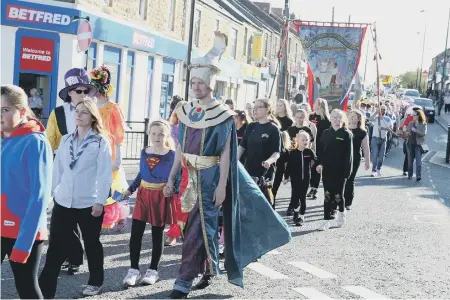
75	78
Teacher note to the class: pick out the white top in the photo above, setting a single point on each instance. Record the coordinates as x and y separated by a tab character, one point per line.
70	118
447	99
90	180
385	122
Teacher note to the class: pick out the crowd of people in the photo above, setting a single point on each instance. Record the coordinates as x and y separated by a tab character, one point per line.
211	174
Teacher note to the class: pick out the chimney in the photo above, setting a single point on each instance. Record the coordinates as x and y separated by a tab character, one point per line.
266	7
278	12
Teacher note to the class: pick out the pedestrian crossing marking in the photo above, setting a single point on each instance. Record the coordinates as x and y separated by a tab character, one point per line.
311	293
266	271
363	292
312	270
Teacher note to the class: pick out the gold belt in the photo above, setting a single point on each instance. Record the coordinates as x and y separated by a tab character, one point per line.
152	186
194	163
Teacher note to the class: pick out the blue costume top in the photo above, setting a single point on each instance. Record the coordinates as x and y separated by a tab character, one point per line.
254	226
153	168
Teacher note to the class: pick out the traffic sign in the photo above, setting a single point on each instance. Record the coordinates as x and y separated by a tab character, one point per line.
84	36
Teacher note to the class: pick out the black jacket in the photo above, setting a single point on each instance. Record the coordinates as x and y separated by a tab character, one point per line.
336	156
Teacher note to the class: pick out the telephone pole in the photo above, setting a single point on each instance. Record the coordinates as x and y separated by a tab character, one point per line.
283	80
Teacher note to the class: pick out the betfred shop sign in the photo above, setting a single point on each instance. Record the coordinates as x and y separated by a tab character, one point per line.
36	54
38	16
35	16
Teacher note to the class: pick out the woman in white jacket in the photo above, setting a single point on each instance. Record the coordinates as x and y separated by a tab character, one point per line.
82	177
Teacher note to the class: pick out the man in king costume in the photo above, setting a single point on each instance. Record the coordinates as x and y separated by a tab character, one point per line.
208	152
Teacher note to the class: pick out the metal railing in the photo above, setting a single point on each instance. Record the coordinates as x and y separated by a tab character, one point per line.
136	138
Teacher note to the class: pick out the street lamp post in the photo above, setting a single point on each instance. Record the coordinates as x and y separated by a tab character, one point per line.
423	50
189	51
440	104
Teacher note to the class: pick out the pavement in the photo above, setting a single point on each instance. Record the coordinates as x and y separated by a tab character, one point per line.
395	245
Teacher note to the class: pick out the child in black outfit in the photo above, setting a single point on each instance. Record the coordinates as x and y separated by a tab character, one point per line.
336	162
298	171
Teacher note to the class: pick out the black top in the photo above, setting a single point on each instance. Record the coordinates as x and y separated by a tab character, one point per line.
336	155
299	164
240	133
358	136
293	130
285	122
322	124
260	142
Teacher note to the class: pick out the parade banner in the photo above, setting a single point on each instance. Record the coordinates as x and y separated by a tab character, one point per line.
386	80
333	55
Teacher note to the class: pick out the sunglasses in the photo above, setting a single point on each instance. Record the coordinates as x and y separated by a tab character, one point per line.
79	92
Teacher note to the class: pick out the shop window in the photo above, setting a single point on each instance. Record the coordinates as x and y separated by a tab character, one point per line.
143	9
148	95
172	6
92	56
41	83
111	59
197	17
233	42
126	101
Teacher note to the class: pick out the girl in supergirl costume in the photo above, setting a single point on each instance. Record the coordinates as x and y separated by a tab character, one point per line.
335	165
321	119
151	205
298	170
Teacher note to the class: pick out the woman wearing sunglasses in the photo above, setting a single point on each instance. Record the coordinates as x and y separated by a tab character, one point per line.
62	122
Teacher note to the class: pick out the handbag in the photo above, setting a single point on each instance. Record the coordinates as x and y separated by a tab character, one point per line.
424	149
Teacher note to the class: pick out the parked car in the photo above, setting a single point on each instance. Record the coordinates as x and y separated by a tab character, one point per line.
413	93
427	106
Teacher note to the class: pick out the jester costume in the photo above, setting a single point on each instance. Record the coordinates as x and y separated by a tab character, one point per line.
252	228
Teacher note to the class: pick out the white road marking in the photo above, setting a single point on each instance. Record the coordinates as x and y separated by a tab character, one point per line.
363	292
312	269
274	252
266	271
311	293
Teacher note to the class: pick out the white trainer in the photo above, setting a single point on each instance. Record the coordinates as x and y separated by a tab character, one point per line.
374	174
91	290
379	173
325	226
151	277
132	278
340	219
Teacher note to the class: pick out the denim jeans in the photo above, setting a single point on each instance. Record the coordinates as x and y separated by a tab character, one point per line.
378	152
414	153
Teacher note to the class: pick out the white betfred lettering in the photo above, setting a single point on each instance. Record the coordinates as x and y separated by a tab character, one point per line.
13	13
39	15
22	14
65	20
26	56
47	17
56	19
31	14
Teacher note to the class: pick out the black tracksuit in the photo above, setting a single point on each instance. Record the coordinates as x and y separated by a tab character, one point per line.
298	169
358	136
336	157
322	124
285	122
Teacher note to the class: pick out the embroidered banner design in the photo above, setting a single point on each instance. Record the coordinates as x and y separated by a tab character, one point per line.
333	55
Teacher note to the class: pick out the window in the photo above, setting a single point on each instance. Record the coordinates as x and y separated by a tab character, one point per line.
296	51
197	17
143	9
126	101
92	56
111	59
289	46
244	45
172	6
217	28
266	45
233	42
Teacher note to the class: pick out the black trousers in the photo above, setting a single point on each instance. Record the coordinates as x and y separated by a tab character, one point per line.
349	192
61	227
298	194
447	108
333	185
405	161
278	179
25	275
137	232
75	255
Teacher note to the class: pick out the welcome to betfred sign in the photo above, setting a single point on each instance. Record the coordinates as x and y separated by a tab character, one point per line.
36	54
38	16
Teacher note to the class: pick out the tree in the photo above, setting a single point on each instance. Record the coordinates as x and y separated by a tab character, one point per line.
410	79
